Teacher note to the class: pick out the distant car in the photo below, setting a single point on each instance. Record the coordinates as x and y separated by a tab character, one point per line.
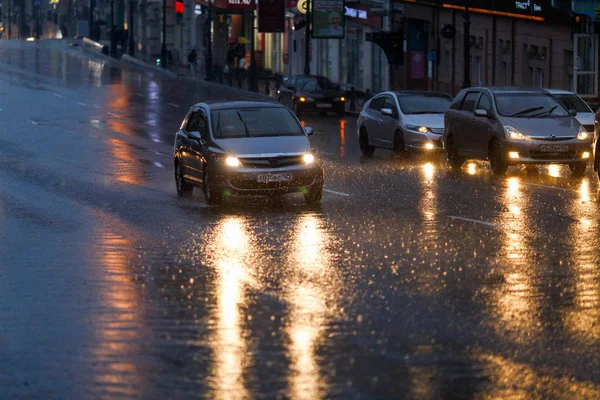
403	122
312	93
572	101
245	148
511	126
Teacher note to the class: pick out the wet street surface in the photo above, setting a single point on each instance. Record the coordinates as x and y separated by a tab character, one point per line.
409	281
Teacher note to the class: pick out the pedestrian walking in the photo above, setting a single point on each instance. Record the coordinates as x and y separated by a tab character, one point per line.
193	61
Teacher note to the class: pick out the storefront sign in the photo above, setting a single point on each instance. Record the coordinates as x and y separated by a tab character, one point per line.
354	13
328	19
238	4
271	16
588	7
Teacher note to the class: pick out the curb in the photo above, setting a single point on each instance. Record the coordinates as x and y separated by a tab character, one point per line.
132	60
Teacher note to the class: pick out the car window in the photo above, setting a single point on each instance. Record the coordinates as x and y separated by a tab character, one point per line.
485	103
201	124
247	122
192	125
388	102
424	103
529	105
457	101
574	102
310	85
290	82
376	103
469	102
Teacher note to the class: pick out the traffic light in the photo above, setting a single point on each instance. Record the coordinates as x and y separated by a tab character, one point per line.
179	10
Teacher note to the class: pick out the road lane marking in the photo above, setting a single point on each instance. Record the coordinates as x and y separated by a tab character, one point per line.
173	105
33	122
113	114
157	164
338	193
60	96
81	104
476	221
140	95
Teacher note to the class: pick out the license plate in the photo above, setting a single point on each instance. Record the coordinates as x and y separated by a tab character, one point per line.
267	178
324	105
554	148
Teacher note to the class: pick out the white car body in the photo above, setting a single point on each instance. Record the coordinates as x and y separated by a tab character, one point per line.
585	115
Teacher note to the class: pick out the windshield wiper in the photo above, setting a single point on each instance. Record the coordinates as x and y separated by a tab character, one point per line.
527	111
243	122
545	112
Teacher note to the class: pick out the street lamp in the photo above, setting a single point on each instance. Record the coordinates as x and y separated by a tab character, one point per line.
307	39
467	45
252	83
208	45
163	51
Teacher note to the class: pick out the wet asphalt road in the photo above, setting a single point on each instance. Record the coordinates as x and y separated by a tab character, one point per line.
410	281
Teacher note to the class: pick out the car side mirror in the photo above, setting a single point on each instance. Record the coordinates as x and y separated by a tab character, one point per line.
309	131
573	113
482	113
195	135
387	112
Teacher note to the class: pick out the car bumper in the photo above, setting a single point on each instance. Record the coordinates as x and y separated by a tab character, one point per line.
425	142
532	152
245	181
322	105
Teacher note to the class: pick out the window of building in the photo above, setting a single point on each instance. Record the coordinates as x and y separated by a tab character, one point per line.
540	77
477	71
377	62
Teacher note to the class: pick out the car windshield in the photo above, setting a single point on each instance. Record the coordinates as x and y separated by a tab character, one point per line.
529	105
574	102
424	103
248	122
315	84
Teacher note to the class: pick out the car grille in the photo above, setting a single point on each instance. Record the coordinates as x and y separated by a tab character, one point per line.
589	128
271	162
437	131
246	184
539	155
556	139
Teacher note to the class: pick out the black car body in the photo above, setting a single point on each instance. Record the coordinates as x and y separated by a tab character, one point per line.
245	148
311	93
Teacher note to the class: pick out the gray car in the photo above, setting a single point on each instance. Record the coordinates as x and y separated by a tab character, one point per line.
403	121
245	148
511	126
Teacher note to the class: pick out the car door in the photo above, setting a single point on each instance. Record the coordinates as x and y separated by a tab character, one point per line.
192	148
483	126
372	120
388	123
464	129
200	148
185	149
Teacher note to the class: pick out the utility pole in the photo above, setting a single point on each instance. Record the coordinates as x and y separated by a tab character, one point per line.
208	63
91	19
10	18
467	45
163	51
307	33
113	31
252	82
131	43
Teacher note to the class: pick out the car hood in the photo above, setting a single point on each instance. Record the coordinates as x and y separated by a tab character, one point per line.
585	118
265	146
428	120
561	127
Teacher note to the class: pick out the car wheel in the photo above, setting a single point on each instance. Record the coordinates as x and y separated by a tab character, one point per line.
399	146
363	141
212	195
184	189
454	160
578	169
315	193
497	159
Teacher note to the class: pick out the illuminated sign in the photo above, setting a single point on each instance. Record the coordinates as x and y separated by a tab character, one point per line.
588	7
354	13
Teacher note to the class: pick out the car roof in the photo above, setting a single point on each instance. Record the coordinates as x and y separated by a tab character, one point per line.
228	105
420	92
509	89
559	91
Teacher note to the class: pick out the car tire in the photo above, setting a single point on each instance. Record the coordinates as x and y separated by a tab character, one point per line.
184	189
315	193
497	159
399	146
454	159
211	195
578	169
363	141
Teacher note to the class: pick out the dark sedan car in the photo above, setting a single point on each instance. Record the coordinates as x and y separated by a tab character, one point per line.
245	148
311	93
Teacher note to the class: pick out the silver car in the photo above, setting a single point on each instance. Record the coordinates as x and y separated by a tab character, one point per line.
245	148
511	126
403	122
585	115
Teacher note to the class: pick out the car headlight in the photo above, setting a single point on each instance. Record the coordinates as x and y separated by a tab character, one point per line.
583	134
232	161
306	99
308	158
512	133
342	99
417	128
